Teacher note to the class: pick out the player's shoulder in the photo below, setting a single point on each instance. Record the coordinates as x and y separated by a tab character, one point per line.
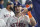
3	9
12	13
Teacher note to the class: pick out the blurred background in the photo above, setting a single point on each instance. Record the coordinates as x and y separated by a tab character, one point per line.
21	1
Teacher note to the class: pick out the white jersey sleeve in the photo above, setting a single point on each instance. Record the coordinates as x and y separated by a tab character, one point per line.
27	18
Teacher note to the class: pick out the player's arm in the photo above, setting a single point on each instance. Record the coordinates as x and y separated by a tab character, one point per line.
25	10
32	20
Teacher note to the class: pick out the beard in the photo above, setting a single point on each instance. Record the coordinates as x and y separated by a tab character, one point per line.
11	8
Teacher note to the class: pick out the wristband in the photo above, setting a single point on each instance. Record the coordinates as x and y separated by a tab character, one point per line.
29	9
29	14
27	6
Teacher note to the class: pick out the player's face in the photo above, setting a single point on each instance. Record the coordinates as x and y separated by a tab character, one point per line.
8	6
18	9
2	2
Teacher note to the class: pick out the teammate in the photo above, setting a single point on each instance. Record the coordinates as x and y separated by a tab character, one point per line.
20	19
28	5
1	4
6	12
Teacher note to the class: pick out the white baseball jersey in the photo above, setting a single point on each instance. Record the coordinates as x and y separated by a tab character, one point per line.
0	9
2	23
5	14
18	22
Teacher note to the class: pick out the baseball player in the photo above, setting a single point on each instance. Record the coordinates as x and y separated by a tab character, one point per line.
20	20
1	4
6	12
